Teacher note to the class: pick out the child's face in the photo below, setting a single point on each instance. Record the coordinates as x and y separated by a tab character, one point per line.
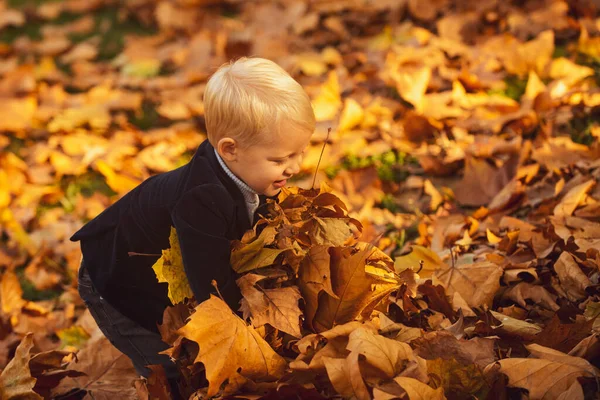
267	166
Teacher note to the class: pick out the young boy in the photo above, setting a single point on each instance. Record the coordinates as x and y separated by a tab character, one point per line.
259	121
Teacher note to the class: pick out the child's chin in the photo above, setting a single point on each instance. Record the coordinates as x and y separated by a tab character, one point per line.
272	191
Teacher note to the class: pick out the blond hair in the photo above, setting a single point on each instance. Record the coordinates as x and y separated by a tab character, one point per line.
245	97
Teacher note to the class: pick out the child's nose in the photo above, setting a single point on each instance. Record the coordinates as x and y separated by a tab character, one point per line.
294	168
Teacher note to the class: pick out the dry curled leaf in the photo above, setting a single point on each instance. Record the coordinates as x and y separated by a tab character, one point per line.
345	376
356	293
277	307
477	283
16	381
388	356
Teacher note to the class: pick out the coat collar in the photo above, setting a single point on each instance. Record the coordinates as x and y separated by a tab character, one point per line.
242	221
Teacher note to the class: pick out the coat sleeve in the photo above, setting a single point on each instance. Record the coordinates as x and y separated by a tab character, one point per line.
201	218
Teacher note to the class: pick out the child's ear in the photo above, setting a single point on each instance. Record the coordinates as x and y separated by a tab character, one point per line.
227	148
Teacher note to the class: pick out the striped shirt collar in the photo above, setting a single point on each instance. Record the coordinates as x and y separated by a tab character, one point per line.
250	195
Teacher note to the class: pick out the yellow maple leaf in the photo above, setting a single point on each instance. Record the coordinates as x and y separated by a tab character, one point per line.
412	85
568	72
255	255
328	103
65	165
587	45
169	268
431	261
16	231
311	64
118	183
352	115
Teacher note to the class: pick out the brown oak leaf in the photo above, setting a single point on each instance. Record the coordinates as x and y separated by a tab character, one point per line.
277	307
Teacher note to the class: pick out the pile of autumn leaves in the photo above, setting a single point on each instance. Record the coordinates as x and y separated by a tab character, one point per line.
326	315
305	248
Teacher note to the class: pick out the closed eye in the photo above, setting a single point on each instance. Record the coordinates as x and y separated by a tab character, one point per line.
281	161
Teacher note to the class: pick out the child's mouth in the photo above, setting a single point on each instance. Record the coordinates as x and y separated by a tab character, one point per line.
280	184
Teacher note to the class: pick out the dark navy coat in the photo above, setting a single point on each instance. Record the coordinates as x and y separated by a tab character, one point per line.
208	211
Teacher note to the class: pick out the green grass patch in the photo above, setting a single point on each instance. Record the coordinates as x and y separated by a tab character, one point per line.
107	26
404	236
29	290
389	165
112	31
580	129
184	158
87	184
230	10
32	28
74	336
146	117
332	171
15	145
113	38
29	3
560	51
390	173
388	202
514	87
592	62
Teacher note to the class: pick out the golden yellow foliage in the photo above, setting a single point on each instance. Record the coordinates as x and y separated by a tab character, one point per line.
169	268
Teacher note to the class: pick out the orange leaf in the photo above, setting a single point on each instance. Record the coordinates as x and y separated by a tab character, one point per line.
229	349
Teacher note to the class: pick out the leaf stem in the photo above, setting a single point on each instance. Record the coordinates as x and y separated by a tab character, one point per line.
133	253
216	286
320	157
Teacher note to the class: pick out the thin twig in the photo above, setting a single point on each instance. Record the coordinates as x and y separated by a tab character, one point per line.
133	253
320	157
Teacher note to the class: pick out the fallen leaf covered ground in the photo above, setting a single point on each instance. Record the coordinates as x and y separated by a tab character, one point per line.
450	250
